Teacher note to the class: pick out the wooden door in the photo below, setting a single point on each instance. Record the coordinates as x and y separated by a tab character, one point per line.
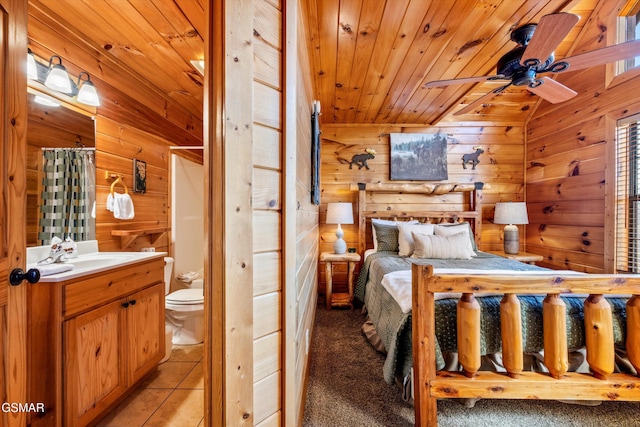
13	109
94	362
145	329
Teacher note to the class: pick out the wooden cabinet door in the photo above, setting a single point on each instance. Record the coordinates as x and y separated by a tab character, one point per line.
95	367
13	126
145	324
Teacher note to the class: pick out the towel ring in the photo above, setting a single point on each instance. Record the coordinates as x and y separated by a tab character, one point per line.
119	180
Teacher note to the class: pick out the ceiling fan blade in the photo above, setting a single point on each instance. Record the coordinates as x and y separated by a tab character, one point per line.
549	33
463	80
482	100
552	91
616	52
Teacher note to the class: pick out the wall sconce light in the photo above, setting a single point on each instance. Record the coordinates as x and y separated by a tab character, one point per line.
58	78
87	93
55	77
32	68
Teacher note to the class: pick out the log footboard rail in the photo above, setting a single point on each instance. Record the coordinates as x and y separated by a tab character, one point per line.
601	384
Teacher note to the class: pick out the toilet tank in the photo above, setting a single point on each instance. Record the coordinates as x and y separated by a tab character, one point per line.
197	284
168	272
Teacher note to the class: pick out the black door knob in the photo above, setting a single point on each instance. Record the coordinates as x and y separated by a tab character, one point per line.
18	275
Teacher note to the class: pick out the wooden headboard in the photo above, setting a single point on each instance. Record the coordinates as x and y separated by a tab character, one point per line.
399	204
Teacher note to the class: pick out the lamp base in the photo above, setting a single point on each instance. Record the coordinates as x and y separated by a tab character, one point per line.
511	239
340	246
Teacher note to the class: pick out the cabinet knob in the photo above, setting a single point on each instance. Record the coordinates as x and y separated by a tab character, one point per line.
132	302
125	304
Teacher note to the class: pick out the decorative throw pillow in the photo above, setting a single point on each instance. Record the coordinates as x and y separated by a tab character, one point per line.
442	247
387	237
405	239
384	222
455	228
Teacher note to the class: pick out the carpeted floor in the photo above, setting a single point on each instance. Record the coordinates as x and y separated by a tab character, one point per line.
346	388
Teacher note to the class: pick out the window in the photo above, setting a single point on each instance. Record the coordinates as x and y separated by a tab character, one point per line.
628	195
629	29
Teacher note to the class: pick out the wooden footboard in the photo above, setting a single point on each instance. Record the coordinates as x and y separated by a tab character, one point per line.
603	384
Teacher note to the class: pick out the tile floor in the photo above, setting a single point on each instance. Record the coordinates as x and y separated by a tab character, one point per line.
172	397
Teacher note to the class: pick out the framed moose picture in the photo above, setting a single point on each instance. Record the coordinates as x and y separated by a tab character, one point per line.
418	157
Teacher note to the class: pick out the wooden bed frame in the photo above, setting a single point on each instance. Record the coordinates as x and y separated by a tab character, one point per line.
430	384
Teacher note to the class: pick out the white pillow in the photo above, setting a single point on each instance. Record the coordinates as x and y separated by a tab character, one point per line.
442	247
405	239
383	222
451	229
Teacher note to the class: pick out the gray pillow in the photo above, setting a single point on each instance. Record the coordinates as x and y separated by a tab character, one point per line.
387	237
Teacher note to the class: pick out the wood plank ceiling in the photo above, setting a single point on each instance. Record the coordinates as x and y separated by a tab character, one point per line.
125	43
371	58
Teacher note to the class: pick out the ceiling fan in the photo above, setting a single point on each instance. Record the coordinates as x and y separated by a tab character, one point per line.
534	55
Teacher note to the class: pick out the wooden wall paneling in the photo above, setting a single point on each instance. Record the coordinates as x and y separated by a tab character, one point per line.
300	215
267	394
267	199
266	313
266	355
501	167
566	162
267	273
267	109
266	147
266	189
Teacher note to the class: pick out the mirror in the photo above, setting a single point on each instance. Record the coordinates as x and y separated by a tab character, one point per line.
59	131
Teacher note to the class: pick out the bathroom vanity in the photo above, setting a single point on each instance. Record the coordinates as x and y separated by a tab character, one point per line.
94	333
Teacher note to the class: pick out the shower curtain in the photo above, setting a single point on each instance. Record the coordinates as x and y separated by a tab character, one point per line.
67	207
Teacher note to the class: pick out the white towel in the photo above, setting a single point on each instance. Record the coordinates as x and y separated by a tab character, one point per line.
121	205
187	277
49	269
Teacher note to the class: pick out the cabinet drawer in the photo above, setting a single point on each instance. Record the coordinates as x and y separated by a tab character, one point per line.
98	289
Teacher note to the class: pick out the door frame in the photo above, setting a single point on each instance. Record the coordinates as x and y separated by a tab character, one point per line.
13	323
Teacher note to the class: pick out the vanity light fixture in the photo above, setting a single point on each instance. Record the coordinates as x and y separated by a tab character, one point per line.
32	68
57	77
198	64
87	93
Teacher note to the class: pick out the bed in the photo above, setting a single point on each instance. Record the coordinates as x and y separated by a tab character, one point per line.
468	307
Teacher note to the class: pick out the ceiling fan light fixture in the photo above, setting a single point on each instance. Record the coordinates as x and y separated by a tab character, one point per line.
32	68
87	93
57	77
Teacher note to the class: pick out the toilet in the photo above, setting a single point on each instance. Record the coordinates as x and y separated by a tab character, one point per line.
184	309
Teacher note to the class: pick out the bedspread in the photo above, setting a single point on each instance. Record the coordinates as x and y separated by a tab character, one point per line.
394	327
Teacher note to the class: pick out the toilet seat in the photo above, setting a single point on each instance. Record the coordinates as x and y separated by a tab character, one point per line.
185	297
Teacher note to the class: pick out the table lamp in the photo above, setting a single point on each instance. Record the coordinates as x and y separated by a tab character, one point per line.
339	213
511	213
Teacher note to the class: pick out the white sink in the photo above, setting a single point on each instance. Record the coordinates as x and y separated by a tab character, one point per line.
94	262
99	260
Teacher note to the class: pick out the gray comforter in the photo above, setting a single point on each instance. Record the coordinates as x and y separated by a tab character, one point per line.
394	327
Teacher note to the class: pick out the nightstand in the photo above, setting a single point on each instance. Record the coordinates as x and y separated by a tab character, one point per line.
339	299
520	256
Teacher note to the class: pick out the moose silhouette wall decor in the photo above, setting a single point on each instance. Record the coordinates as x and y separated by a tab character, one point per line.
360	160
472	158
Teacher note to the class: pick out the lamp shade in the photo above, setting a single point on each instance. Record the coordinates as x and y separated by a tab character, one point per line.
511	213
58	78
339	213
87	93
